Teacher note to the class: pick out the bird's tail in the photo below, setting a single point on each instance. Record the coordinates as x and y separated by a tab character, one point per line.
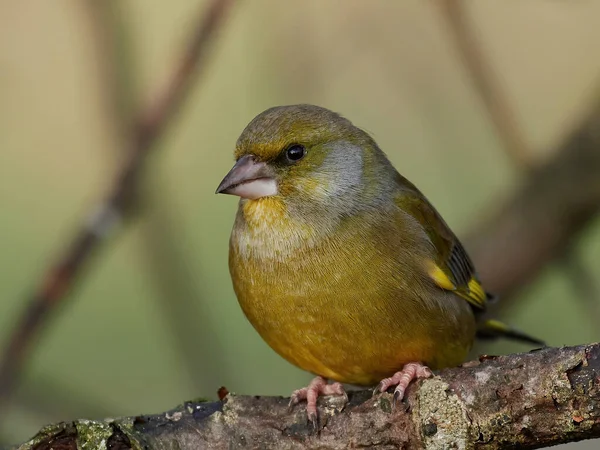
491	329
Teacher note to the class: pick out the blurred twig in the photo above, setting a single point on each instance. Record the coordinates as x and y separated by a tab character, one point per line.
151	123
177	288
510	133
114	63
486	83
544	216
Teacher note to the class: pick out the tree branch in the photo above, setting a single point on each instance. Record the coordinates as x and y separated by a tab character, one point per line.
529	400
544	216
486	83
502	116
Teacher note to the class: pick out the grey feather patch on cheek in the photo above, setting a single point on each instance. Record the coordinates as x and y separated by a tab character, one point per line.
342	169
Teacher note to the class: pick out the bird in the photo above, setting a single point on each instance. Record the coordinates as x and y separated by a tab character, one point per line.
341	264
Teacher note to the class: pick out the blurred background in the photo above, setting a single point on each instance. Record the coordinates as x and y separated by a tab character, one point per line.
153	320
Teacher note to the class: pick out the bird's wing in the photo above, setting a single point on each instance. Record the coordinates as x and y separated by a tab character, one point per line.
452	269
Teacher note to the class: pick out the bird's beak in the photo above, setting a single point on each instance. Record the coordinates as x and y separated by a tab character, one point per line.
250	179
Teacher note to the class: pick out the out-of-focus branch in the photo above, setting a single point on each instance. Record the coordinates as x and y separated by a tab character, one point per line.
486	84
114	62
152	121
544	216
508	130
528	401
179	295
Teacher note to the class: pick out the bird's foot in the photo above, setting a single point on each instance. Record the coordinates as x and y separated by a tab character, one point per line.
318	386
402	379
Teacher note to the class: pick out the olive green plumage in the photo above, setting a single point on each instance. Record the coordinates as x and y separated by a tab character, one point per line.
339	262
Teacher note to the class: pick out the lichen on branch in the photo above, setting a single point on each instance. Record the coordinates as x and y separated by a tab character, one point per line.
530	400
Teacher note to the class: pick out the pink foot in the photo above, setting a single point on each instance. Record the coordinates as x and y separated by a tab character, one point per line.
318	386
403	378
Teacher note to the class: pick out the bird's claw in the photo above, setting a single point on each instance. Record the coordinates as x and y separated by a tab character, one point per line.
313	421
317	387
379	389
402	379
397	399
296	396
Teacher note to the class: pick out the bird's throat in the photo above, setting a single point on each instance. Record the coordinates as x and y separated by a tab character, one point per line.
265	229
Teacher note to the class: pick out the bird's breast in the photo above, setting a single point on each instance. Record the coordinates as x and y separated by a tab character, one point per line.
341	301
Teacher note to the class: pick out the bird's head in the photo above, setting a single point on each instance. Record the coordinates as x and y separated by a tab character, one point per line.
308	157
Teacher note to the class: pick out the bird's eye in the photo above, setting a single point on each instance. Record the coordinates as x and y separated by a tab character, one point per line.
295	152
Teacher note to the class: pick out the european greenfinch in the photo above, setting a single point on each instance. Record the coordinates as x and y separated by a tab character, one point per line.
340	263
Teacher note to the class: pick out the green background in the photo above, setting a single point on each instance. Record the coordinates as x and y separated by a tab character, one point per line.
154	320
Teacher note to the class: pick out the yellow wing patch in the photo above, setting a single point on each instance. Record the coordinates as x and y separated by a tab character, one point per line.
477	295
440	278
473	292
